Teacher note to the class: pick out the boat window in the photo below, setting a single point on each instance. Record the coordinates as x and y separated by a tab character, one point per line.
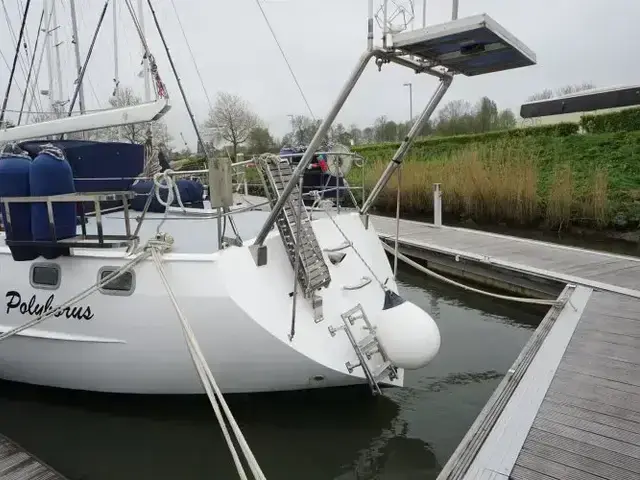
45	275
121	285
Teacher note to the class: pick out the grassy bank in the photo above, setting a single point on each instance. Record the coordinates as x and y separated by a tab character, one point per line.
551	180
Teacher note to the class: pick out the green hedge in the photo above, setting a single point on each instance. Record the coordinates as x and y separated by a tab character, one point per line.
622	121
193	163
558	130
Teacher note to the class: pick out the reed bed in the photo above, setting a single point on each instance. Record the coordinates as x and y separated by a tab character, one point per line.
498	183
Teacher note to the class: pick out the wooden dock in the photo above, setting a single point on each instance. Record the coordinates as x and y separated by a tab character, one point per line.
569	408
18	464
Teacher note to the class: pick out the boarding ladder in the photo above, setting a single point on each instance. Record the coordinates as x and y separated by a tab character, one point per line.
313	272
370	355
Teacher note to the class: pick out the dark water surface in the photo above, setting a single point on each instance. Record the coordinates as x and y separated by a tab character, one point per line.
339	434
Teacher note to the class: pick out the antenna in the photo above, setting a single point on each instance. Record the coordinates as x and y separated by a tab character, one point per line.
394	16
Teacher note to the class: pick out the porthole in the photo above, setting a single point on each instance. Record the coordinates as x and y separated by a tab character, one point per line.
45	275
122	285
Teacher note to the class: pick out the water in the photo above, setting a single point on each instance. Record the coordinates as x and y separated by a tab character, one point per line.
339	434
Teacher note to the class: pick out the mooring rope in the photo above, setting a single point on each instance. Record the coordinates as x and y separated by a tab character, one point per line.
416	265
154	248
210	385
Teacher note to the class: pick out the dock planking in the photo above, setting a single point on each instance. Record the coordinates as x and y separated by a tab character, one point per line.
18	464
571	264
575	412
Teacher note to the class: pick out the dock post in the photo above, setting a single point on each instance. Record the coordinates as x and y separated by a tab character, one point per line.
437	205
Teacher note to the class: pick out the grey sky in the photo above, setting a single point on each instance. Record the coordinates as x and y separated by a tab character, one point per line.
574	40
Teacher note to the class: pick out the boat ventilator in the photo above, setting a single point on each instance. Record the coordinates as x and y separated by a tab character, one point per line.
370	354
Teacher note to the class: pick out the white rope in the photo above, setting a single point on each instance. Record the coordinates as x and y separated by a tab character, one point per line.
164	181
423	269
210	385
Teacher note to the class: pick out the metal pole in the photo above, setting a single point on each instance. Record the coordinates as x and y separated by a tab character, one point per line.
145	60
410	85
396	161
424	13
77	94
297	262
437	205
384	23
76	46
315	143
454	10
370	27
33	60
15	61
116	77
395	250
175	73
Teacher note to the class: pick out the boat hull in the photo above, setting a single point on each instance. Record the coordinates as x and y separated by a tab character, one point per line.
241	315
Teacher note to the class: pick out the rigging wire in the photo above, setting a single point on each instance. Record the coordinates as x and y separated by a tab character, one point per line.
295	79
88	80
4	59
14	39
195	64
15	60
23	62
33	59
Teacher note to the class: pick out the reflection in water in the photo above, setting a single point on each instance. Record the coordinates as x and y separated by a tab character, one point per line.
432	384
340	434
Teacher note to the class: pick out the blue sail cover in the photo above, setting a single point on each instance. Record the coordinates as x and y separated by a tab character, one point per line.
97	166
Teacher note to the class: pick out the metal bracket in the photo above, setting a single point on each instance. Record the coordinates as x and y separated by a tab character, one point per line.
259	254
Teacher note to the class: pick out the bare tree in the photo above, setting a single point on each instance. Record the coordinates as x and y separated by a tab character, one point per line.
136	132
546	94
569	89
232	120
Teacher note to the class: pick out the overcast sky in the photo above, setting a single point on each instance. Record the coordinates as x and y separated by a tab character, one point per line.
574	40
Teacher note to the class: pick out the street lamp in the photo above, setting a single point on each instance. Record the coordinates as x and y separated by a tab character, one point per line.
410	100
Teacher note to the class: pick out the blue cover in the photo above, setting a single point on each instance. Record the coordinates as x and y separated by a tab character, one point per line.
190	192
14	182
97	160
52	175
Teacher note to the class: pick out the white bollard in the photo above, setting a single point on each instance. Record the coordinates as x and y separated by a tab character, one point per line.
437	205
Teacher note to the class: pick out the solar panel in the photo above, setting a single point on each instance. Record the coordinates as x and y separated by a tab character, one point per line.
472	46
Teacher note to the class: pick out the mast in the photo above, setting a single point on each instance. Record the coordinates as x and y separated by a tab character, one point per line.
33	60
45	48
56	44
76	45
83	68
47	45
145	59
116	78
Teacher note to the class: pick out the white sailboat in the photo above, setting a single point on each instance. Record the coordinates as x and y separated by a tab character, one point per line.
260	325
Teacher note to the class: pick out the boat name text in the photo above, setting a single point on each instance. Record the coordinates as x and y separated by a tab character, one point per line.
14	301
